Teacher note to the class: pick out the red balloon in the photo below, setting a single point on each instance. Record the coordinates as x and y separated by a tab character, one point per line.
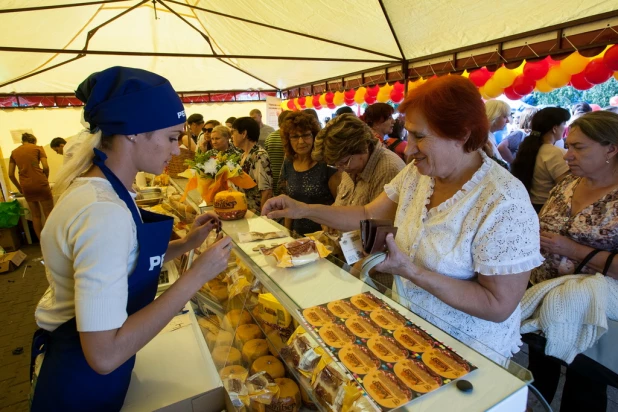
329	97
349	102
316	102
579	82
331	106
510	94
400	87
373	90
552	62
349	94
596	72
523	85
611	58
302	101
291	105
396	96
479	77
535	70
369	99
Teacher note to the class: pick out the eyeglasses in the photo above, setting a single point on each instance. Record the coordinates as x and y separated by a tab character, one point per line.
306	137
342	164
207	129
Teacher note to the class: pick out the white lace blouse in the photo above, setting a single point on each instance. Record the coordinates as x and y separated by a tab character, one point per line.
488	227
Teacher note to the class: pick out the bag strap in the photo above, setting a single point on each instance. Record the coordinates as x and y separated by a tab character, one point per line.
394	144
586	260
608	262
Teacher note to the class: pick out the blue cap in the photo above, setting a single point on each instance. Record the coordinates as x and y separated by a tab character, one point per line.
124	100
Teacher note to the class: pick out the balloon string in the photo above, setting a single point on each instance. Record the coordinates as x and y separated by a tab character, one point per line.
531	49
572	45
498	53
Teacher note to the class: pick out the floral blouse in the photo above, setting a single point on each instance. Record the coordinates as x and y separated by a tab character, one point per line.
257	165
595	226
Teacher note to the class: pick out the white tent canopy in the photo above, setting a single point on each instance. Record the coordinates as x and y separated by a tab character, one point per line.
272	44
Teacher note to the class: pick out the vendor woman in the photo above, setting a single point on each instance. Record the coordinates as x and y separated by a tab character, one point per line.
103	255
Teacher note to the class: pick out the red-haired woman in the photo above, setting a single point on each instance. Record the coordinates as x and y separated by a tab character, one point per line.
468	236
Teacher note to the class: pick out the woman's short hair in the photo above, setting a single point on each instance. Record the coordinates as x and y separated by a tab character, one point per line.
28	138
343	136
600	126
297	122
214	123
453	108
377	113
525	119
56	142
496	109
223	131
230	120
247	124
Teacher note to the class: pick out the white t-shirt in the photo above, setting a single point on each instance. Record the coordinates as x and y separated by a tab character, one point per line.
487	227
89	246
549	166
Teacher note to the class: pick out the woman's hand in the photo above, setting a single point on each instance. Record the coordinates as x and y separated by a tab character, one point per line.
214	259
560	245
283	206
200	229
397	262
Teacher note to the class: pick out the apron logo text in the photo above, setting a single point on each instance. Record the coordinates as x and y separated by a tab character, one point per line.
156	261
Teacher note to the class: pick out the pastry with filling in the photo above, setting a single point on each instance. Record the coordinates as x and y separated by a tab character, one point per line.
366	302
336	335
318	316
417	376
413	338
445	363
342	309
327	385
386	389
387	349
363	327
358	359
387	318
301	353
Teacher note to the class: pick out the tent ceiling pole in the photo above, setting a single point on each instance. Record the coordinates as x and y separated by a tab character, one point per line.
59	6
42	71
390	26
360	72
196	55
92	32
248	74
182	93
212	50
531	33
284	30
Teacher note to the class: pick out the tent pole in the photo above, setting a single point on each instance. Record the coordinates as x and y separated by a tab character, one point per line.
42	70
59	6
390	25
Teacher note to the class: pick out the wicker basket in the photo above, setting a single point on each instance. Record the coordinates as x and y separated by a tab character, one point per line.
177	164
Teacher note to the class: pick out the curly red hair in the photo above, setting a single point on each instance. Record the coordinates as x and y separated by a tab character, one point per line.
453	107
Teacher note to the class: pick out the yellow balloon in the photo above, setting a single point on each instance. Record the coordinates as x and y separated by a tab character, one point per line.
575	63
359	96
483	94
520	69
338	99
542	86
492	89
557	77
383	96
465	74
309	102
284	105
296	103
503	77
616	75
322	99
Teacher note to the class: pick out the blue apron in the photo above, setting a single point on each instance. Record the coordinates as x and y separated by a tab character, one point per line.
66	382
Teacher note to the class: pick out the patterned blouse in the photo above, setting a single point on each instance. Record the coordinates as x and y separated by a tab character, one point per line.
257	165
595	226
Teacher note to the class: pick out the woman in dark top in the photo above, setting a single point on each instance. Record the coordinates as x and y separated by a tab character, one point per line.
304	179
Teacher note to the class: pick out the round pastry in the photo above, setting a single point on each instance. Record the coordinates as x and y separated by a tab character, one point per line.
342	309
208	323
366	302
289	399
254	349
247	332
387	349
413	339
220	338
363	327
225	356
387	318
358	359
417	376
270	365
445	363
336	335
236	317
218	290
318	316
236	371
386	389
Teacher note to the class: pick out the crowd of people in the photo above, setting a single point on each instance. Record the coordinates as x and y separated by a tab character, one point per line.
481	220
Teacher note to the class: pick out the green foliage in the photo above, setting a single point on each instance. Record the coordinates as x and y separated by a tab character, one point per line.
567	96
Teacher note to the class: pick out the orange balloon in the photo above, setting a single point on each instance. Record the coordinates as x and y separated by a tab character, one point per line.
557	77
492	89
616	75
542	86
575	63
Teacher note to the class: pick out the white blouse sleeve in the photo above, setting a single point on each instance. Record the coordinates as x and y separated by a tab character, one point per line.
507	241
101	239
393	188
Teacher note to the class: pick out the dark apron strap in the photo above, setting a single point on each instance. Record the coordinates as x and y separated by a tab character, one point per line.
584	262
39	345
